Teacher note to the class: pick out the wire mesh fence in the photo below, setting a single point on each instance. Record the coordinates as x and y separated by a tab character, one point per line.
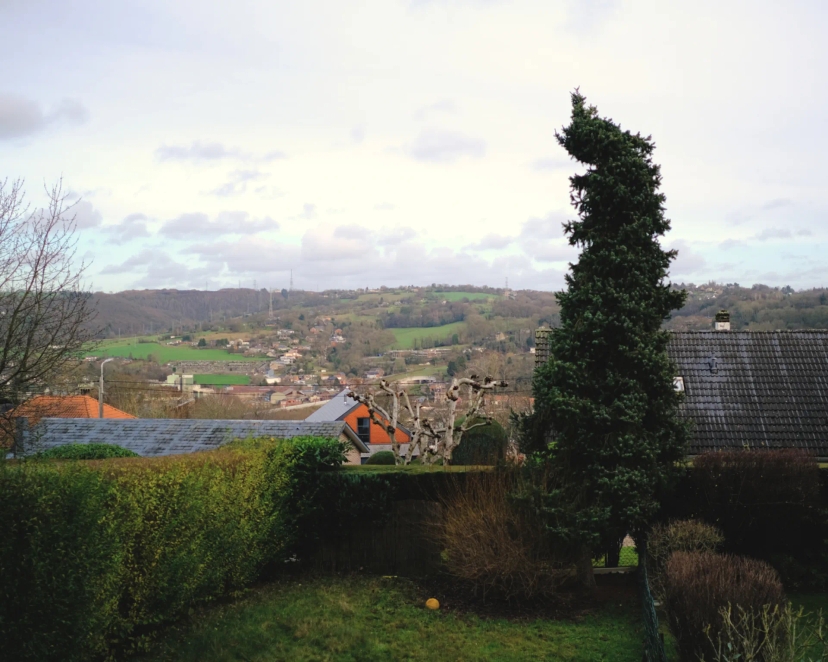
653	640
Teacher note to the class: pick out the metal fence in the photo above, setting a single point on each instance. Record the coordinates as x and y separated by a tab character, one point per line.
653	639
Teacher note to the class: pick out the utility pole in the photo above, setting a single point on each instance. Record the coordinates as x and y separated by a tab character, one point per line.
101	389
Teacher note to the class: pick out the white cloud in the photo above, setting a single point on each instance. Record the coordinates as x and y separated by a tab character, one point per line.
437	146
197	225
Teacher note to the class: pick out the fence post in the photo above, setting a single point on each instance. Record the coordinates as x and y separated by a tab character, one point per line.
653	642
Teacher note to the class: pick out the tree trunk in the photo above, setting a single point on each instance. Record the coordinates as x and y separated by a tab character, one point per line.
586	574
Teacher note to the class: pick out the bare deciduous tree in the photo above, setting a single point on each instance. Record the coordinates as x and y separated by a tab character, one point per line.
45	315
431	440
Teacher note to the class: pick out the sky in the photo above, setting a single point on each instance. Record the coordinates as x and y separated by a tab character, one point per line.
209	144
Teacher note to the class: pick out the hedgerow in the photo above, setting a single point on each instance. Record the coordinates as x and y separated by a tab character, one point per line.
96	555
85	452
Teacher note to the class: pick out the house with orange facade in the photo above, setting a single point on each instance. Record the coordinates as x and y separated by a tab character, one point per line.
355	415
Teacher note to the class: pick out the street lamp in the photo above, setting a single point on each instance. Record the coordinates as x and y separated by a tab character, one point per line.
101	389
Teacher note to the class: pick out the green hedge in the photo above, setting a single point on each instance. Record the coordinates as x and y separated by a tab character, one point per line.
94	556
85	452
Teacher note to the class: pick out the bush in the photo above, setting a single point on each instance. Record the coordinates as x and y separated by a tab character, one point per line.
382	457
495	544
678	536
776	634
698	585
85	452
95	556
484	445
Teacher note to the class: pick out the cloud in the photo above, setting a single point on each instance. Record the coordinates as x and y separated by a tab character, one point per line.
729	244
491	242
86	216
160	270
443	106
21	117
201	152
543	240
131	227
436	146
688	261
385	206
776	204
237	183
773	233
358	134
551	163
308	211
395	236
247	255
197	225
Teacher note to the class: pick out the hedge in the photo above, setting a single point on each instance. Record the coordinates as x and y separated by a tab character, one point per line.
85	452
95	556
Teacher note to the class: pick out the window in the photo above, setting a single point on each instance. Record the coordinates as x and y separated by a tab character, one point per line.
364	430
678	384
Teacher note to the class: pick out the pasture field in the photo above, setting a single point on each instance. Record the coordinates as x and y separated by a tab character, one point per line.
459	296
222	380
164	353
406	336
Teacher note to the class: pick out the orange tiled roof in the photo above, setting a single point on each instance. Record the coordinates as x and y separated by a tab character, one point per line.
65	406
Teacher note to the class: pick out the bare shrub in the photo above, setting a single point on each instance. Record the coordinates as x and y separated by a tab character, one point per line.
698	585
678	536
498	545
774	634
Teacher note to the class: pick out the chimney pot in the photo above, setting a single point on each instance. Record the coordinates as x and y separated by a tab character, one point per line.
722	322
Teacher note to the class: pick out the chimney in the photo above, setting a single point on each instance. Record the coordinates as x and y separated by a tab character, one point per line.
722	322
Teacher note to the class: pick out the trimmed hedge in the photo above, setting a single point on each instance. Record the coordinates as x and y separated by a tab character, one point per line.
383	458
86	452
769	504
95	556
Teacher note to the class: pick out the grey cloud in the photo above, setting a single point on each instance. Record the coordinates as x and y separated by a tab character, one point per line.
728	244
86	216
492	242
551	163
194	225
199	152
385	206
308	211
247	255
443	106
358	134
133	226
237	183
688	261
159	269
773	233
396	236
145	258
542	239
437	146
21	117
777	203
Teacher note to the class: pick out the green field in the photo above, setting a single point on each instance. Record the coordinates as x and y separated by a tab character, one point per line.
406	337
459	296
376	619
222	380
164	353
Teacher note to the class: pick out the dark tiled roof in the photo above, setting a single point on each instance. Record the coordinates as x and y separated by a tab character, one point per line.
152	437
335	409
764	389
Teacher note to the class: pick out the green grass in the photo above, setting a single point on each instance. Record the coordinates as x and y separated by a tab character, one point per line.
405	337
222	380
164	353
372	619
459	296
628	557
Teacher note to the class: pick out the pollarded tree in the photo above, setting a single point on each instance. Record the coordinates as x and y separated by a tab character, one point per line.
605	405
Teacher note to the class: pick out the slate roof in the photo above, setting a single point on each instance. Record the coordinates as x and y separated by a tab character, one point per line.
334	409
754	389
152	437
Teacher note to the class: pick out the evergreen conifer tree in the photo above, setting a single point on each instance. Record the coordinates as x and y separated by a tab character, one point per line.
605	402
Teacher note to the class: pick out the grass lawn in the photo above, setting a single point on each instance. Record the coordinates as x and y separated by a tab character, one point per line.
222	380
406	336
365	619
165	353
